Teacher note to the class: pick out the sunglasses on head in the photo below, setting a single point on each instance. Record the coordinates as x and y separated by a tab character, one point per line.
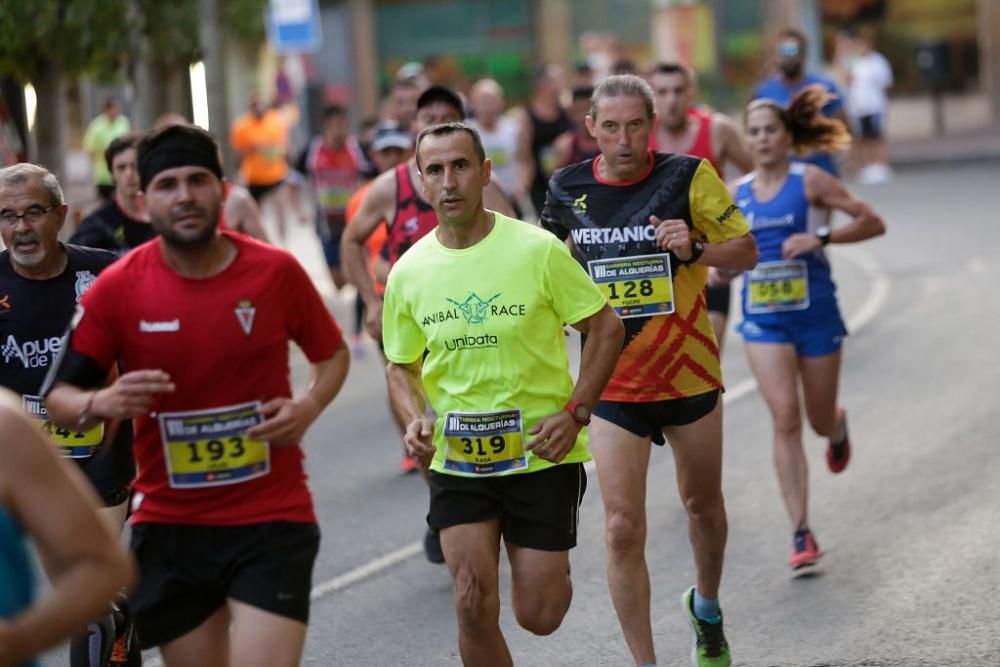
788	49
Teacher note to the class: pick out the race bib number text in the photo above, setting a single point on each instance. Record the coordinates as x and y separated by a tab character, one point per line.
72	444
484	443
635	286
775	287
206	448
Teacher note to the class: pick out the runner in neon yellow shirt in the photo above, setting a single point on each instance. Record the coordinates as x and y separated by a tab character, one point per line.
487	297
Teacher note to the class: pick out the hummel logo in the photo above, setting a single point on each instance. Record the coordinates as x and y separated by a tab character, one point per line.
159	327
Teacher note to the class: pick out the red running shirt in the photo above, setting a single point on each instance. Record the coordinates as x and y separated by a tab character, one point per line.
702	145
224	342
414	217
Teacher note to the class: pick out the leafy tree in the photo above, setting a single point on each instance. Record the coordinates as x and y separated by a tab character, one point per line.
47	41
50	42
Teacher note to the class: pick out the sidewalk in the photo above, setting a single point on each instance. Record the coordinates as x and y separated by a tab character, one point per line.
969	134
975	145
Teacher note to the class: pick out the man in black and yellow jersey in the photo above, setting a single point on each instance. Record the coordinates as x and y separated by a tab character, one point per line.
647	226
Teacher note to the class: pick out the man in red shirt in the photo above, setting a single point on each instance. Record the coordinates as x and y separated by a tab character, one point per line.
334	164
683	127
223	523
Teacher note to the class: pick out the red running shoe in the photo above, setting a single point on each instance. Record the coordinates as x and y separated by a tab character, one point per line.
408	465
805	551
839	454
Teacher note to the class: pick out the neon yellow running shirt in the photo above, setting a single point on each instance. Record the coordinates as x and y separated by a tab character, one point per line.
491	320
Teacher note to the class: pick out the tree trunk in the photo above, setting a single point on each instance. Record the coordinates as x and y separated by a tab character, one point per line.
145	80
50	118
177	97
211	36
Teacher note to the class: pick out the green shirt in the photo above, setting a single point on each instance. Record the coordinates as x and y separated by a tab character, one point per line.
491	320
99	135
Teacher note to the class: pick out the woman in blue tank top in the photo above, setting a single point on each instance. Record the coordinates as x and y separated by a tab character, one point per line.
17	580
50	502
791	322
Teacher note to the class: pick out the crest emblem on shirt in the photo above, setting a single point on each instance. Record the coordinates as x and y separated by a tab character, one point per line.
245	312
5	302
84	281
580	203
474	308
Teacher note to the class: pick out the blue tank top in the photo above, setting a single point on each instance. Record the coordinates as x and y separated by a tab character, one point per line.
17	580
773	221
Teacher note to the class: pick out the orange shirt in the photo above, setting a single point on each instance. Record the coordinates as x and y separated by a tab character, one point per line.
263	143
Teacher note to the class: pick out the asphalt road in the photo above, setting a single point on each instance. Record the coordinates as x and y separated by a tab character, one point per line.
911	573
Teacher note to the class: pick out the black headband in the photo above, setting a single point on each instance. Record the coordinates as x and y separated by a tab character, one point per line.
177	150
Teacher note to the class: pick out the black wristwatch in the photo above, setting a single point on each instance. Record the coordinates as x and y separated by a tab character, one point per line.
823	234
697	250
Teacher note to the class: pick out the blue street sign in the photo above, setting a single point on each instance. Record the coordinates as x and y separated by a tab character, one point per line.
293	26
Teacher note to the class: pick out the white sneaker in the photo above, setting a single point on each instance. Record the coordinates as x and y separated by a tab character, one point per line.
875	174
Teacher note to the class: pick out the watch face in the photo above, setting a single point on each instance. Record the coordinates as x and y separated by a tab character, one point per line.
582	413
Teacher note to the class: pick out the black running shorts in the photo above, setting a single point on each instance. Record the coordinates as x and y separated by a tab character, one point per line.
188	572
871	126
717	299
259	192
649	419
537	510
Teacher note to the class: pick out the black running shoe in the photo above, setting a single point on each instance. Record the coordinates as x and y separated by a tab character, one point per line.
432	546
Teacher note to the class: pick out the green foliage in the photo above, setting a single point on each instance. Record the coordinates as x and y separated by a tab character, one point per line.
244	19
172	29
87	36
95	37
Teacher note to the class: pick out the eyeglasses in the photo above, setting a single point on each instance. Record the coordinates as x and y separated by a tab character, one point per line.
31	215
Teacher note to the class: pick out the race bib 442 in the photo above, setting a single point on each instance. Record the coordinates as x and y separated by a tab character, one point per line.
71	443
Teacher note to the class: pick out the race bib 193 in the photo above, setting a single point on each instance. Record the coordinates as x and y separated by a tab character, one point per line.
635	286
774	287
484	443
206	448
72	444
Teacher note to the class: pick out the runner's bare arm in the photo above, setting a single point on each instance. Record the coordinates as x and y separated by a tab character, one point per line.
564	148
605	335
243	214
406	391
826	191
556	434
732	146
131	395
495	199
286	419
57	508
378	205
525	137
526	166
737	254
